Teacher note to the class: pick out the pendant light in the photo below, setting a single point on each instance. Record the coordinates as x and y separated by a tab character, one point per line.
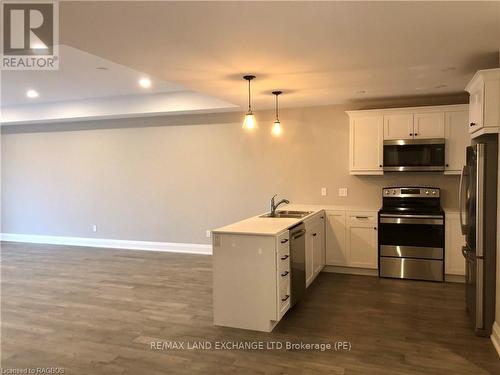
276	129
249	123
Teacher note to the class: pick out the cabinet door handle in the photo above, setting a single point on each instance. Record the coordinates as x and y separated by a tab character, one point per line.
321	217
284	241
361	217
375	228
411	134
285	298
284	273
285	257
314	234
416	134
447	165
380	165
472	124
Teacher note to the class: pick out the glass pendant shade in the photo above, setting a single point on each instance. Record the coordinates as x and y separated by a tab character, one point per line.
249	123
276	129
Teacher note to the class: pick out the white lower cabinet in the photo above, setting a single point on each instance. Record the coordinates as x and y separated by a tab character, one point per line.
315	246
251	280
336	253
351	238
454	262
362	239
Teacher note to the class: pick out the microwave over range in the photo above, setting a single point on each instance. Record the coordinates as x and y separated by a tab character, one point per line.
414	155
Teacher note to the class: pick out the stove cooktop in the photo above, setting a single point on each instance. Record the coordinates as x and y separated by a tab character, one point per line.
412	210
411	201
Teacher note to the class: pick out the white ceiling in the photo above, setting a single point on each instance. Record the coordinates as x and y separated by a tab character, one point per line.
317	52
89	87
80	76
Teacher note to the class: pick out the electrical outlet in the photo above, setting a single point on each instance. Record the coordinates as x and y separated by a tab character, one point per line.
94	228
323	191
208	234
342	192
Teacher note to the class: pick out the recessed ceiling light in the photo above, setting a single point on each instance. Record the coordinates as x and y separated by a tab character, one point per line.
102	68
145	82
32	94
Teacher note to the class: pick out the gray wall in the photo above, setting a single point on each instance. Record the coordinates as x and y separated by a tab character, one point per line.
172	178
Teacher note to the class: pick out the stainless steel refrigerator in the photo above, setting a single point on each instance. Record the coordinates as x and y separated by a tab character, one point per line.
478	218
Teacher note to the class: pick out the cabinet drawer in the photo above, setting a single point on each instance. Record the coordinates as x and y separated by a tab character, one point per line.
284	293
284	265
360	218
284	279
283	243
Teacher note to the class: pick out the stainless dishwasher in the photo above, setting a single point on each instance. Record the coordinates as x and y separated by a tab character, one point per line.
298	262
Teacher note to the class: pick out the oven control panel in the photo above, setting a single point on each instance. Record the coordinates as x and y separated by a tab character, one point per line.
411	192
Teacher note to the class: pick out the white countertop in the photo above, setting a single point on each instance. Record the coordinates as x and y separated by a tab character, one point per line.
270	226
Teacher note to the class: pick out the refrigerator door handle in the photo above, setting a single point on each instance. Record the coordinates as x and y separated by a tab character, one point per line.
480	200
464	252
461	200
479	253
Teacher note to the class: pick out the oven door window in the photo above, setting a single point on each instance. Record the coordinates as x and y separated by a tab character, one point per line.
425	235
431	155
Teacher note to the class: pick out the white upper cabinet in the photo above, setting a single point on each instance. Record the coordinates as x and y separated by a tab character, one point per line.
414	126
365	145
457	139
398	126
484	102
369	128
428	125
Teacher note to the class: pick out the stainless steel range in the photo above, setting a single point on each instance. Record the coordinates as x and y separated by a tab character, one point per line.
411	234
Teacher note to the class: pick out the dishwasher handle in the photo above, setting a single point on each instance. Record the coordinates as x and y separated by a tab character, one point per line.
298	234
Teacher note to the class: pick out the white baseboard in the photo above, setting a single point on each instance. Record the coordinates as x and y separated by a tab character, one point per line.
351	270
454	278
495	337
109	243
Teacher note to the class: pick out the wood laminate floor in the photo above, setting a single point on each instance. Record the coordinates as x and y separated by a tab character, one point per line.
96	311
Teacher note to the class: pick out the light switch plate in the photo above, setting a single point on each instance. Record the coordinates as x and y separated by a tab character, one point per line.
323	191
342	192
209	234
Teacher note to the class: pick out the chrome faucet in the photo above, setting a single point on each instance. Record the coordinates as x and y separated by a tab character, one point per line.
274	206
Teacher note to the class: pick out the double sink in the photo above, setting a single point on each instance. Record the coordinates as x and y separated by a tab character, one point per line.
288	214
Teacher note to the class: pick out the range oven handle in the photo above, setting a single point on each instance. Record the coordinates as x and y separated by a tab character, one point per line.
413	216
402	220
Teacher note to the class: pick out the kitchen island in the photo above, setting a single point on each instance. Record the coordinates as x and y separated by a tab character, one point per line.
252	269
